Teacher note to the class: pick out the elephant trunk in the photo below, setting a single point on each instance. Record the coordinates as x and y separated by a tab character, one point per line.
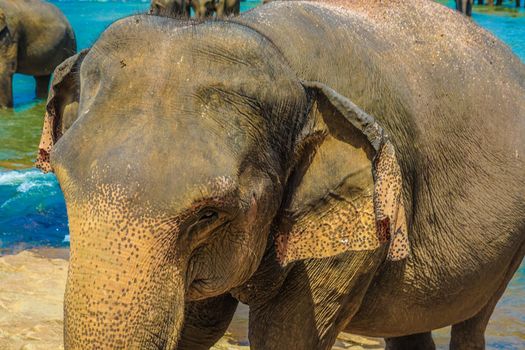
124	289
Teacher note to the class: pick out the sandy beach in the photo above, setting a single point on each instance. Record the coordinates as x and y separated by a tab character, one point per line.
31	296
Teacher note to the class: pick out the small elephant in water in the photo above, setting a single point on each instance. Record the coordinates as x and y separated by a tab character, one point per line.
206	8
174	8
227	7
371	189
35	38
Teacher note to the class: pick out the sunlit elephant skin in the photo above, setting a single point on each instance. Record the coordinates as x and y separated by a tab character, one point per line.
171	8
287	173
35	38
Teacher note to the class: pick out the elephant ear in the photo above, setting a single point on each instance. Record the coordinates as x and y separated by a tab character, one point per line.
346	191
61	107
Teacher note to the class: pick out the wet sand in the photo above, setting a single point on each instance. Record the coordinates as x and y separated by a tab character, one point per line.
31	294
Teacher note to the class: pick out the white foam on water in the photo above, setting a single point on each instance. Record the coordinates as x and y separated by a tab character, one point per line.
26	179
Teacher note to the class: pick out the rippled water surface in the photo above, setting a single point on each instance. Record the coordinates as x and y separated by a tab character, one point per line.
32	209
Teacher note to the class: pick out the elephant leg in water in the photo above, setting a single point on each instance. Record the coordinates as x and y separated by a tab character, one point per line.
42	85
227	8
464	6
203	8
470	334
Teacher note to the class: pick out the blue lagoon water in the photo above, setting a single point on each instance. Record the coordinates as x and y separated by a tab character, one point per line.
32	208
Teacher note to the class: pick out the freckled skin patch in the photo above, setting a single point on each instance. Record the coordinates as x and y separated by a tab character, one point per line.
330	231
118	271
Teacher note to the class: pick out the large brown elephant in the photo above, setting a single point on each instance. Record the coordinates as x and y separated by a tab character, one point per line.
332	165
35	38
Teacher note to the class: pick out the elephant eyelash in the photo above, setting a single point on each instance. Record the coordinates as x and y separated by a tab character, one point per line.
206	220
208	215
4	31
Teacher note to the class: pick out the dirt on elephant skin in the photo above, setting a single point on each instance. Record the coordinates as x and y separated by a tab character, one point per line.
31	294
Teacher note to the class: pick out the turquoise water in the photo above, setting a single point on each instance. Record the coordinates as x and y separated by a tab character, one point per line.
32	209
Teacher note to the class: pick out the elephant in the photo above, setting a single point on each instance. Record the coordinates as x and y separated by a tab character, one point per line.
174	8
333	166
203	8
465	7
227	8
35	38
206	8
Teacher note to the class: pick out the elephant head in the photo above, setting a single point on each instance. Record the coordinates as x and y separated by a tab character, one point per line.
172	8
174	178
8	61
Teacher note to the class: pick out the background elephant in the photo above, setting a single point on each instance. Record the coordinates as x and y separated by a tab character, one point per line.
203	8
227	7
464	6
371	189
35	37
206	8
174	8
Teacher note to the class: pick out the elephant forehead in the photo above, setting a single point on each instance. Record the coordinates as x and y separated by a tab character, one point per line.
160	161
154	45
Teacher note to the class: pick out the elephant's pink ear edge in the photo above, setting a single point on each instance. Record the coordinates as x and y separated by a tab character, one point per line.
63	72
388	203
46	143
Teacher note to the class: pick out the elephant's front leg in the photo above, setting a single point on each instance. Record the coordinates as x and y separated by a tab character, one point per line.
42	86
206	321
6	91
315	302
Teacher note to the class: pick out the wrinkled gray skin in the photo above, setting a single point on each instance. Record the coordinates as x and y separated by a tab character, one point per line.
172	8
35	37
176	179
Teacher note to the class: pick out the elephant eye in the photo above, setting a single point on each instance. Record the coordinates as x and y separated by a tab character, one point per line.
208	216
207	221
4	31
